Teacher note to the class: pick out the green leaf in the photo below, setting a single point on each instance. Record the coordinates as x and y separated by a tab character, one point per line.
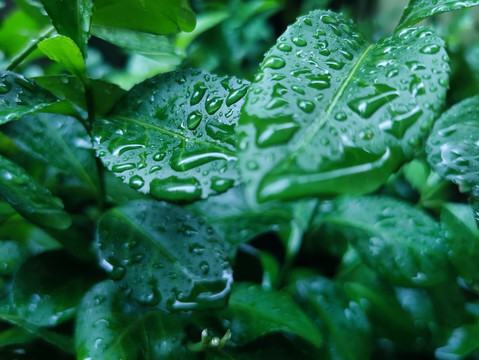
172	136
452	150
12	254
253	312
108	327
339	119
164	257
16	32
69	146
104	94
63	50
345	328
462	240
29	198
156	17
47	289
20	96
15	335
400	242
72	19
461	343
418	10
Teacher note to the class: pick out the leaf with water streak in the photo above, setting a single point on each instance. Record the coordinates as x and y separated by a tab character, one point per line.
329	113
172	136
164	257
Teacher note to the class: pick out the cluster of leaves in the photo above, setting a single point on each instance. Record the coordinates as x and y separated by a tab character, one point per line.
321	206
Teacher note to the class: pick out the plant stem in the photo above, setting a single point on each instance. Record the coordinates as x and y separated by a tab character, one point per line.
29	49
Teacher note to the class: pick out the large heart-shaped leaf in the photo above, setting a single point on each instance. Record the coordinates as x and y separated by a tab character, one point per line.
452	148
329	113
398	241
20	96
71	18
418	10
31	199
173	135
163	256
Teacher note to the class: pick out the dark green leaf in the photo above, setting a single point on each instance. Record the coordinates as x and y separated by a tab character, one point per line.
253	312
108	327
30	198
400	242
461	343
164	257
157	17
418	10
15	335
173	135
452	147
20	96
71	18
12	255
339	119
345	328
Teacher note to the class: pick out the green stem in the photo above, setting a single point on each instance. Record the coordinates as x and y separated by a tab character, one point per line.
29	49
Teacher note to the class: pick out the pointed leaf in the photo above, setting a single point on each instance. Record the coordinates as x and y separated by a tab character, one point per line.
173	135
418	10
341	118
452	147
71	18
163	256
254	312
20	96
400	242
29	198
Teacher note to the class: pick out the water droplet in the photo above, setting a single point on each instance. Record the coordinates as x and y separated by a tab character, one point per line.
118	168
366	106
117	273
430	49
213	103
274	62
236	95
182	160
150	299
298	41
327	19
307	21
319	81
199	90
193	120
346	54
392	73
196	249
400	123
205	267
334	64
416	87
270	133
341	116
252	165
176	189
285	47
220	184
5	87
136	182
306	106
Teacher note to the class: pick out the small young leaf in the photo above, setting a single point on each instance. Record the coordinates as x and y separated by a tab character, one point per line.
461	343
418	10
253	312
163	256
401	243
63	50
172	136
29	198
20	96
452	147
72	19
339	119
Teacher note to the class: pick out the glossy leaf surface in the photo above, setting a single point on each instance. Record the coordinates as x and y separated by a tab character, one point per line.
157	17
172	136
418	10
254	312
461	343
72	19
20	96
164	257
29	198
400	242
109	328
452	147
329	113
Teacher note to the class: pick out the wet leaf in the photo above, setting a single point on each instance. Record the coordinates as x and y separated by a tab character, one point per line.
29	198
400	242
72	19
461	343
452	147
418	10
253	312
172	136
20	96
164	257
342	117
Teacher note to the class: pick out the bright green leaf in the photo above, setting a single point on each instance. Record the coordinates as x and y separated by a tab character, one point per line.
253	312
30	198
400	242
339	119
63	50
164	257
20	96
173	137
15	335
71	18
418	10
